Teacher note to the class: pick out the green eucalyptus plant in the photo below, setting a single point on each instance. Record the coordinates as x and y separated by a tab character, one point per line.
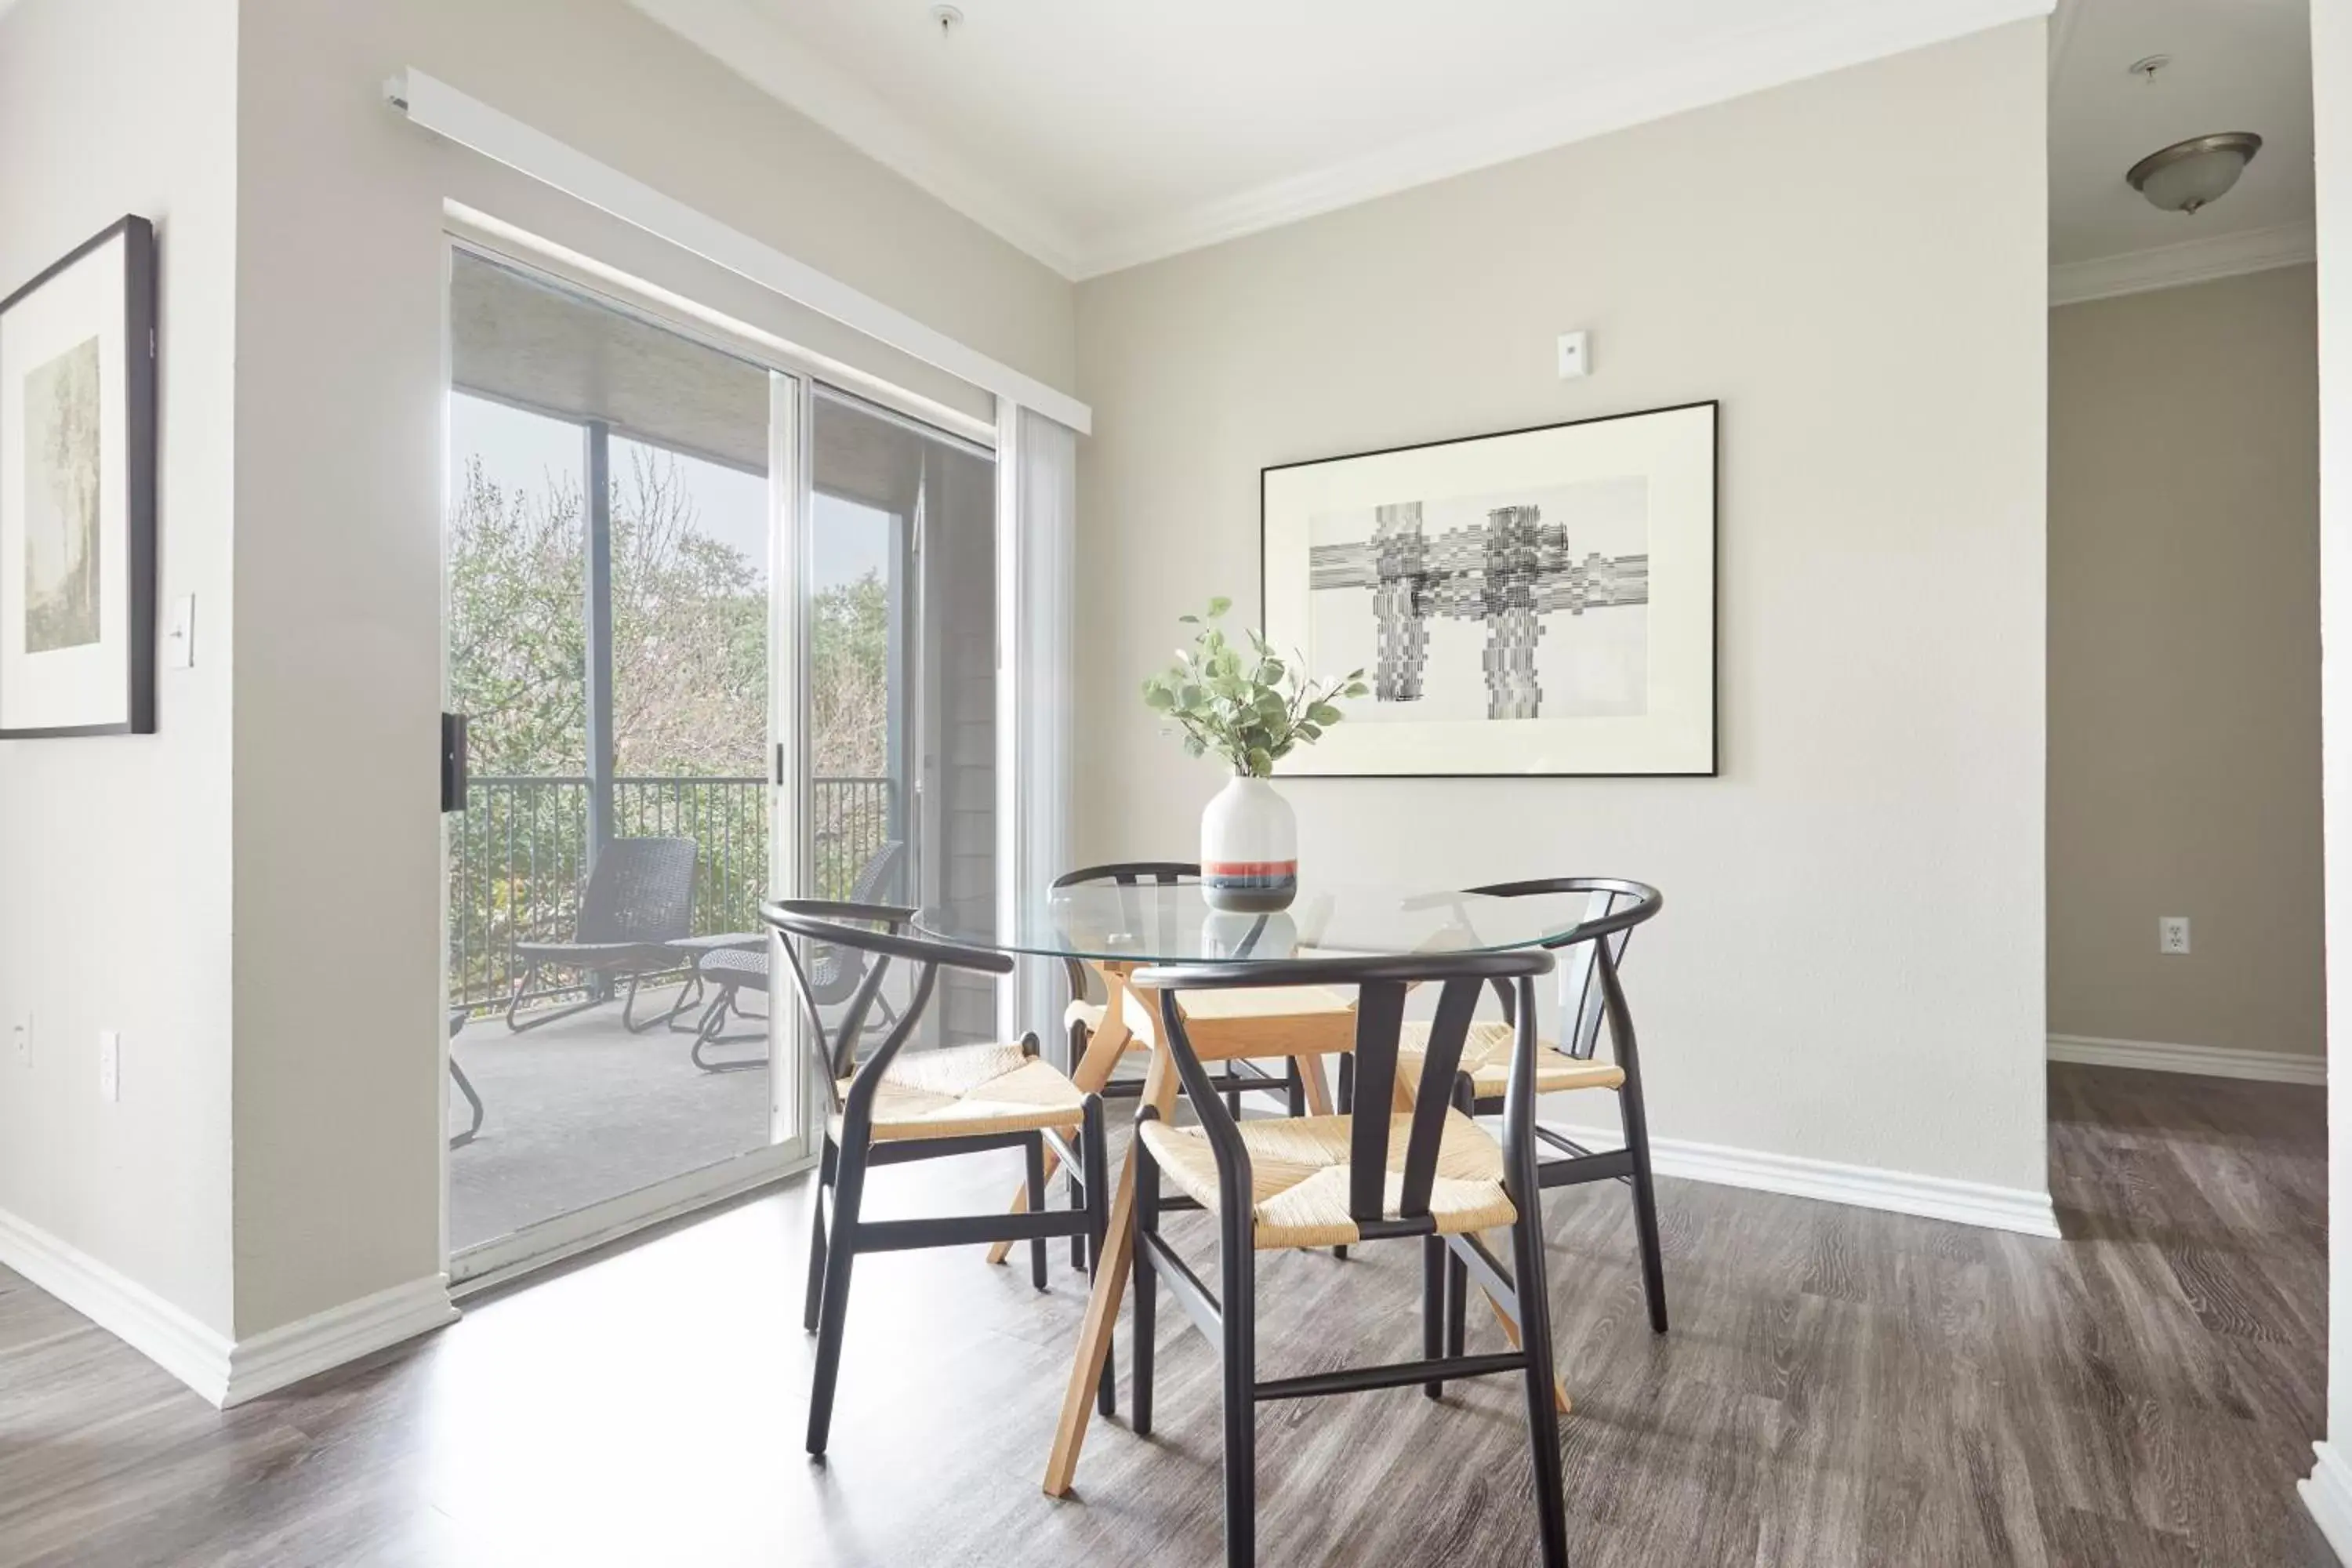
1250	708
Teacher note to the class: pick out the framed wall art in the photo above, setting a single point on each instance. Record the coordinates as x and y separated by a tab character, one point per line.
78	493
1540	602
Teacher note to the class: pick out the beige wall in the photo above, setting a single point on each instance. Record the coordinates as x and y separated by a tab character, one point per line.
338	428
114	852
1850	967
2184	665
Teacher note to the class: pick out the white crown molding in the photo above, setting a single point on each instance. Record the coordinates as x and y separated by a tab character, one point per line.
2327	1496
1730	68
2026	1210
2208	1061
324	1341
223	1373
2190	261
756	49
172	1339
1839	34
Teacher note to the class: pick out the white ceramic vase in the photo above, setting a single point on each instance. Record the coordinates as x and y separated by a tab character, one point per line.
1249	849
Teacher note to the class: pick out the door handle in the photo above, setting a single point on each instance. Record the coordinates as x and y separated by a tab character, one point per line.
454	772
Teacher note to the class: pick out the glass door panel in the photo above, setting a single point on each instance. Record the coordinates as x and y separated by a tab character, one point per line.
609	621
902	676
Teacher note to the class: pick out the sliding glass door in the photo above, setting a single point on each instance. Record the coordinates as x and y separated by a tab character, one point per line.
902	676
716	631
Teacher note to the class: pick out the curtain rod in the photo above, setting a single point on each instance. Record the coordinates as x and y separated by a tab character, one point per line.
469	122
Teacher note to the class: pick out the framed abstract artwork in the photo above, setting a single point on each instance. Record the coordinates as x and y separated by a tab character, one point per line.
1540	602
78	493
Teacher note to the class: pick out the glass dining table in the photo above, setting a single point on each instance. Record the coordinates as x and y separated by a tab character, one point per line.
1116	929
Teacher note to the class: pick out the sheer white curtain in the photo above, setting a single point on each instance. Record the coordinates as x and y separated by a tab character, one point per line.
1037	478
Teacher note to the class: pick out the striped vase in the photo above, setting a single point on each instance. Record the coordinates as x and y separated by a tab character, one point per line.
1249	849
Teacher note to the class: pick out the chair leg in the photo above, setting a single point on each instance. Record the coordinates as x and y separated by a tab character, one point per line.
833	1312
1543	1415
1645	1200
1145	1280
1094	1155
1296	1085
824	1169
1433	1307
473	1101
1035	1148
1079	1257
1457	1304
1239	1311
514	997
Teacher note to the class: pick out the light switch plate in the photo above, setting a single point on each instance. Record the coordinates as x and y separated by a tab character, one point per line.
180	637
20	1041
1575	355
109	1064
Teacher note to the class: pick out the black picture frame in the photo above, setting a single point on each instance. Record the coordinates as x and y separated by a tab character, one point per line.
1715	608
137	371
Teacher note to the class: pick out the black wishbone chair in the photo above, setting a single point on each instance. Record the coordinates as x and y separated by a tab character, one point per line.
1590	956
1296	1015
924	1105
1283	1015
1375	1174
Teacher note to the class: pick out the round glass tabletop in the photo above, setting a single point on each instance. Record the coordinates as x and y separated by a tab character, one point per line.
1172	923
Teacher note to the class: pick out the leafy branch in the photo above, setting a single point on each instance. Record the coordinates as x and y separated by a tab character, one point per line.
1248	707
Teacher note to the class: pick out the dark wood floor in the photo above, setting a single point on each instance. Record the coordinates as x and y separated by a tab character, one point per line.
1841	1387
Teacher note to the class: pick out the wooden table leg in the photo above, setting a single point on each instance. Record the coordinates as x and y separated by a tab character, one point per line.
1102	1304
1318	1090
1103	1048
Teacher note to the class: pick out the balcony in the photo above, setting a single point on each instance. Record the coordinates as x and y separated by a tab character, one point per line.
519	858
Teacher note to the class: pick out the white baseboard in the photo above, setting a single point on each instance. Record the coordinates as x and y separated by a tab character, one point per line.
309	1346
2211	1061
2327	1494
2021	1209
222	1372
196	1354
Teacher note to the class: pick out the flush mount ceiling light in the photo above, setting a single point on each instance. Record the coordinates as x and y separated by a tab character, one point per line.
2190	174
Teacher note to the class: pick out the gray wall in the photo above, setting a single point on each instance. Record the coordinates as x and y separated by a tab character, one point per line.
1850	967
2184	665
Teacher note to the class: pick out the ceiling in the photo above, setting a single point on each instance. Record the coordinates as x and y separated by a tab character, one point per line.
2237	65
1096	133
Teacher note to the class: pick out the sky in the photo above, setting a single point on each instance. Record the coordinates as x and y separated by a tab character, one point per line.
521	450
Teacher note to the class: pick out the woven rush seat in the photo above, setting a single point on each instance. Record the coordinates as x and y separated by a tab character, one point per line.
1299	1176
1486	1057
966	1090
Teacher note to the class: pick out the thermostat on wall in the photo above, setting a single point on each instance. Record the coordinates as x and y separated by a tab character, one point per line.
1575	361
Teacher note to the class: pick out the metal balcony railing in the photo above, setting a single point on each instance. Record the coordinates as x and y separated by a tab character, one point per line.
519	856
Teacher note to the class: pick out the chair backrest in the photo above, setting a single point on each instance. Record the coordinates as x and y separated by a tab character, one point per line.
834	972
877	932
642	889
1584	999
877	879
1380	984
1131	875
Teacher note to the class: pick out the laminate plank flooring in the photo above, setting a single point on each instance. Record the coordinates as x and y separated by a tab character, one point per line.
1840	1388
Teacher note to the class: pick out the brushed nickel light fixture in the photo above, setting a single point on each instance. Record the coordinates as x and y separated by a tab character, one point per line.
2189	176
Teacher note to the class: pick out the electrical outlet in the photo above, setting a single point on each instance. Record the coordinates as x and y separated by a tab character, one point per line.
110	1065
20	1041
2172	934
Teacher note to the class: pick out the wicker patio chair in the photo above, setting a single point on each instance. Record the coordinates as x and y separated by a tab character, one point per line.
639	896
